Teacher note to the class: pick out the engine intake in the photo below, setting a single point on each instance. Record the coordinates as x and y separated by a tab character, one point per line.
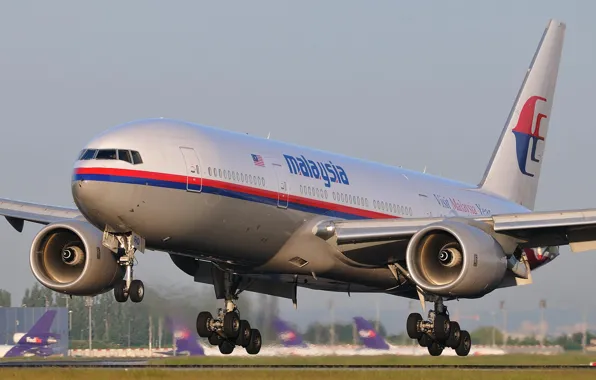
69	257
454	259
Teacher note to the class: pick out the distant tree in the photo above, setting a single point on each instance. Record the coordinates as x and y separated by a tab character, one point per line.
484	336
5	298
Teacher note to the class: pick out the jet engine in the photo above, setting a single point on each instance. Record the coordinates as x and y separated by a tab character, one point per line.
455	259
68	257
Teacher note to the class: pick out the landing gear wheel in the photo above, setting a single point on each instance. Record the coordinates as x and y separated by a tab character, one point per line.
226	347
465	344
254	346
215	339
243	338
203	320
434	349
441	327
412	326
425	340
136	291
120	295
231	325
454	335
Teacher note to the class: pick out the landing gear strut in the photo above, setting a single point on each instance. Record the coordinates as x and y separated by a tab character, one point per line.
128	287
438	332
227	330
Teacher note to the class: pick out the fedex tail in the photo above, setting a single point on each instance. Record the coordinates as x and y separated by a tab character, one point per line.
369	337
34	342
185	340
287	335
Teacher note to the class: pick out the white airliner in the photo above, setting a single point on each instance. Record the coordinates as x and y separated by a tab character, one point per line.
248	213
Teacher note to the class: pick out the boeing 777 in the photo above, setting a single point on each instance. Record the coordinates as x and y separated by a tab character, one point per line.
245	213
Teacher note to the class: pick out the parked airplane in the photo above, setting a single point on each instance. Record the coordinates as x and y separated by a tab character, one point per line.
247	213
34	342
185	340
369	337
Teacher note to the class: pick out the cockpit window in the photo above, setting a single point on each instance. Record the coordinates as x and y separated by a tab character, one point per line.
88	154
136	157
106	154
124	155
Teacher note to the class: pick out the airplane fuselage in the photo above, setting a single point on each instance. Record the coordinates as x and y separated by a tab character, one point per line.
234	198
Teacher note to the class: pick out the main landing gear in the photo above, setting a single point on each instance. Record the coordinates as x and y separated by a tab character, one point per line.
227	330
438	332
127	287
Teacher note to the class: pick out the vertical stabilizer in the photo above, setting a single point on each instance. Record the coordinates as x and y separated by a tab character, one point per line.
514	168
368	336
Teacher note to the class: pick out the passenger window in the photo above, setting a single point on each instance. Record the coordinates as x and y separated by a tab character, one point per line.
225	174
333	193
233	176
124	155
318	194
219	170
325	194
89	154
106	154
136	157
209	171
263	181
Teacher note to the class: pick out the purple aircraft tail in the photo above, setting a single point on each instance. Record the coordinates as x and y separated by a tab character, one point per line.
369	337
35	340
288	336
186	339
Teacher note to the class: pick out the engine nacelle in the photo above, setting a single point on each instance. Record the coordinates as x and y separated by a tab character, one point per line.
454	259
69	257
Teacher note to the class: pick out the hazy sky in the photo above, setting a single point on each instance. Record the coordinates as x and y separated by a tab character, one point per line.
417	84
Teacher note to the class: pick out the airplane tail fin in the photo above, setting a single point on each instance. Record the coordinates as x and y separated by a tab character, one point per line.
41	327
286	334
368	336
514	168
185	339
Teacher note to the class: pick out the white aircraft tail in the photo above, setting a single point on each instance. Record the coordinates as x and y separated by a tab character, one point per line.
514	168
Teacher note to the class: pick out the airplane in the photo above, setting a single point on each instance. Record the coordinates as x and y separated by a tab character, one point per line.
185	340
34	342
245	213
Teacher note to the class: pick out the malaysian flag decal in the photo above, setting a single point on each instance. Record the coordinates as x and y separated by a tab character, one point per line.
258	160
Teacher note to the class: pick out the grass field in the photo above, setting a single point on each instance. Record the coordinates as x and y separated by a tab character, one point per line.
100	374
566	359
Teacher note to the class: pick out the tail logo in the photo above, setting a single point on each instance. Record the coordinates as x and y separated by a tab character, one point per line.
367	334
524	135
287	336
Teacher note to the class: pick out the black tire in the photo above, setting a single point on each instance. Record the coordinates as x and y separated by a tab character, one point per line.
441	327
254	346
412	326
425	340
119	294
203	320
435	349
136	291
465	344
243	338
231	325
226	347
454	336
214	339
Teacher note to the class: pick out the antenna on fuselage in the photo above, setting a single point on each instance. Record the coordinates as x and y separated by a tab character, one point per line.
424	171
268	135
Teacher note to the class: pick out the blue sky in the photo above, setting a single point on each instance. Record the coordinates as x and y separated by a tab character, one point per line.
417	84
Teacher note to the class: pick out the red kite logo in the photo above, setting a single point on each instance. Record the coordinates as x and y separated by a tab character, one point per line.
524	136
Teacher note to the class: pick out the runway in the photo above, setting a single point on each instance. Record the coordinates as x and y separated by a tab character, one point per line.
144	364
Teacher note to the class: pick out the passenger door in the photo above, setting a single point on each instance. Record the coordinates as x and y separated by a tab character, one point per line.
194	180
283	191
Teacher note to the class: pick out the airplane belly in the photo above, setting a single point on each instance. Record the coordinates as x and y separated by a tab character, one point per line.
199	224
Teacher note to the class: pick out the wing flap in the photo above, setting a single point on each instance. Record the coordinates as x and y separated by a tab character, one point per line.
16	212
576	228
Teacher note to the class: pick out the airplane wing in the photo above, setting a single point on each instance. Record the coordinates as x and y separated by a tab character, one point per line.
17	212
576	228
